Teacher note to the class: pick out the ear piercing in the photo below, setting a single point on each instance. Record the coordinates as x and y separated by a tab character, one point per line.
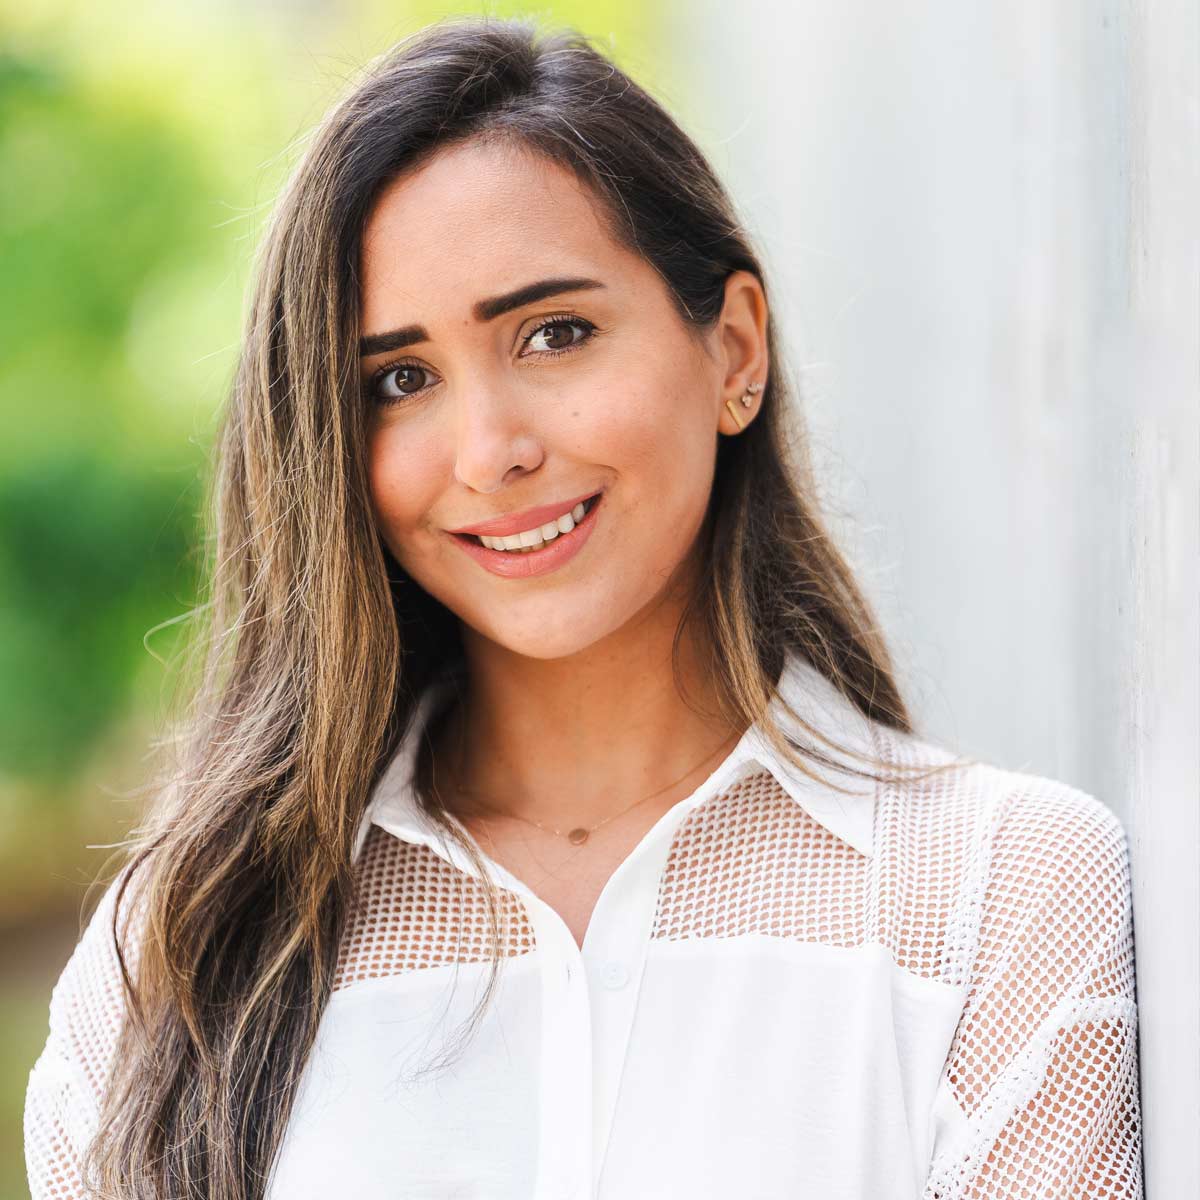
747	400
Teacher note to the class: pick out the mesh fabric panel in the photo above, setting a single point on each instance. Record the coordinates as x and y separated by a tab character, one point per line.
1012	887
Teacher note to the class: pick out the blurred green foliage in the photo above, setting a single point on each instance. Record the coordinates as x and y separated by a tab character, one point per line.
92	556
94	527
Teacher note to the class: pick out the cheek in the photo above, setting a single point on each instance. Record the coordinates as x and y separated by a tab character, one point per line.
664	440
403	474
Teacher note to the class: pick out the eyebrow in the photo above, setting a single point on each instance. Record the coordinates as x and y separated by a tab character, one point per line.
484	310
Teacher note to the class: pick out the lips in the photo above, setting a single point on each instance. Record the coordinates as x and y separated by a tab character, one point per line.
554	554
588	505
528	518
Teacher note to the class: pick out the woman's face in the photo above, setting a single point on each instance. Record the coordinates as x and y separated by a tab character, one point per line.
598	387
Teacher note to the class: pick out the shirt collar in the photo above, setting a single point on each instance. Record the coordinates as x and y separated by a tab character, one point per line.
843	803
848	813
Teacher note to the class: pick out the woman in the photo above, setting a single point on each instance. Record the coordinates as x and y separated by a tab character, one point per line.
548	822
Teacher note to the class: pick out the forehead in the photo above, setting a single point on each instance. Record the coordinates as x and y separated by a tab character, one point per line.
481	215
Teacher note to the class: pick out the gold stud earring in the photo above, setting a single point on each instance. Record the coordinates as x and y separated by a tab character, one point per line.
747	400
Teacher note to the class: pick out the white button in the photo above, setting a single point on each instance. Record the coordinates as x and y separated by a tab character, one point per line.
614	975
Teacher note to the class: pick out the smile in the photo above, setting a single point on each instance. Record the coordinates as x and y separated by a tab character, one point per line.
536	551
534	539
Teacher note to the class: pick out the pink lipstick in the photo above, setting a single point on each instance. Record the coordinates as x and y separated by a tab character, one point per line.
513	564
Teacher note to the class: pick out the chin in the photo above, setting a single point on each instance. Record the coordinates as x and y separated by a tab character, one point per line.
540	645
547	632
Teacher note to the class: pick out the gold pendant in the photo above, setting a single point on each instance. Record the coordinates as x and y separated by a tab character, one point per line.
577	837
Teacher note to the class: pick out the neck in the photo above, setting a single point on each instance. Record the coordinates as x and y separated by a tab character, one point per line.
571	742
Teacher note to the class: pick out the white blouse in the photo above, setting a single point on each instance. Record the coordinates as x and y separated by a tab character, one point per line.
915	990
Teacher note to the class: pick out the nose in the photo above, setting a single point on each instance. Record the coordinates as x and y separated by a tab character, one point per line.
493	438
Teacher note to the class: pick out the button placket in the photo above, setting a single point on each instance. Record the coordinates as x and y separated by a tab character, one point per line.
615	950
565	1092
615	954
614	975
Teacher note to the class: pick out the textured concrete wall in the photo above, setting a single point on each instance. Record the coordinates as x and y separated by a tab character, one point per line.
982	225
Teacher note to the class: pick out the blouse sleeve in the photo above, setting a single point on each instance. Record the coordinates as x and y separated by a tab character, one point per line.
66	1083
1043	1067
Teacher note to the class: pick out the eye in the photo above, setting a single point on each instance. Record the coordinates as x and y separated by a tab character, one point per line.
396	380
556	336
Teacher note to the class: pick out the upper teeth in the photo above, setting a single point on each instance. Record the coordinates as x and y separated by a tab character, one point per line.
531	539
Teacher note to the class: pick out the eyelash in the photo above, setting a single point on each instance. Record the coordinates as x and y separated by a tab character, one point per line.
372	384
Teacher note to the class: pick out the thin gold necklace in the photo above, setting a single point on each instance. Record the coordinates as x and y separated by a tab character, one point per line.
580	834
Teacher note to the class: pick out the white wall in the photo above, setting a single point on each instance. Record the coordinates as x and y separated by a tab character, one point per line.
981	220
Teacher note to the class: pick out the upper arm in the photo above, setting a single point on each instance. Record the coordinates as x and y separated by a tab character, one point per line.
66	1084
1044	1061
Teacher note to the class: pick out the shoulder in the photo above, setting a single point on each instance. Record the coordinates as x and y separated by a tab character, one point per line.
1008	850
65	1091
87	1003
1057	822
1059	855
1003	811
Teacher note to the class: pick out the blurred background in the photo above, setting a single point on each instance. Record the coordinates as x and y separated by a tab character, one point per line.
980	226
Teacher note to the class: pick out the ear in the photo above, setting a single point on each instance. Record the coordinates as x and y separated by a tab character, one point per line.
742	348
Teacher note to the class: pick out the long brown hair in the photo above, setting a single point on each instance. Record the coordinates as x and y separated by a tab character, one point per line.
315	644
